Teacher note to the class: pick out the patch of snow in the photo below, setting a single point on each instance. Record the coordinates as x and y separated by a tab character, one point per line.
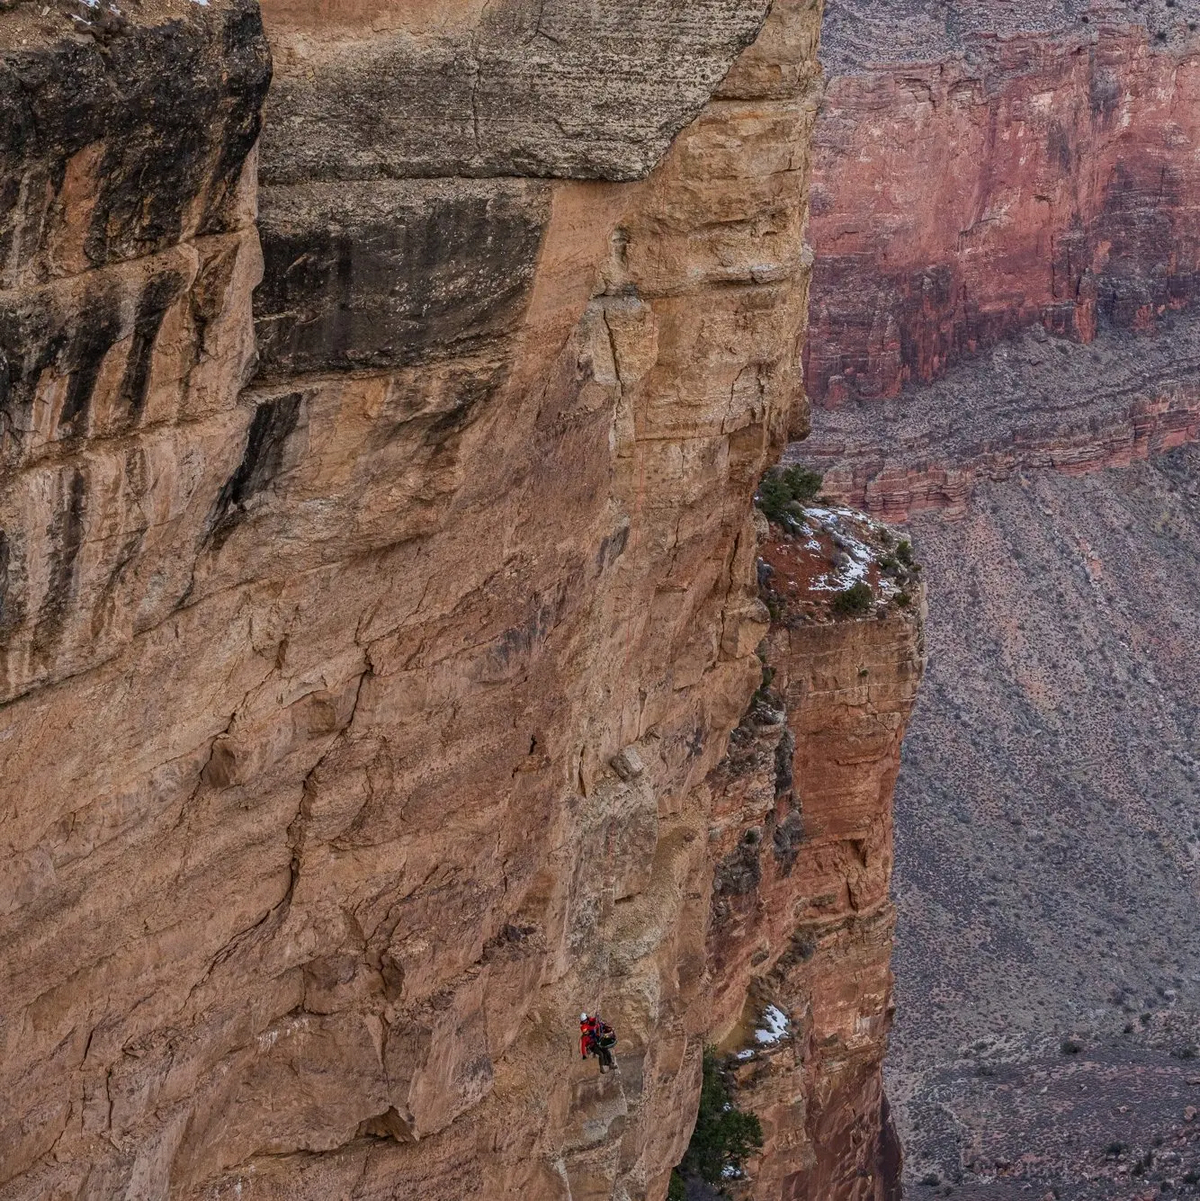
774	1028
829	516
748	1053
860	554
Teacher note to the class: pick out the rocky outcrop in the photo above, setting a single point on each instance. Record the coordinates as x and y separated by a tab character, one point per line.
371	89
359	693
992	168
802	835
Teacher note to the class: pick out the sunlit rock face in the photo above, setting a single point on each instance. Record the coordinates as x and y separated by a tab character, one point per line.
985	168
328	607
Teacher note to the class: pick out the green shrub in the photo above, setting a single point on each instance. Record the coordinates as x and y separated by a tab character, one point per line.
781	488
774	496
904	552
855	600
724	1137
803	483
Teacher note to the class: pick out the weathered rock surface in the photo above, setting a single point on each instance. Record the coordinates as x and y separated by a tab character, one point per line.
981	168
801	914
564	88
128	253
312	689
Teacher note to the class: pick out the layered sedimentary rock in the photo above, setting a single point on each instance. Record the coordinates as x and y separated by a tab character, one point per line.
363	666
983	168
1005	204
1037	402
1046	1001
372	89
802	833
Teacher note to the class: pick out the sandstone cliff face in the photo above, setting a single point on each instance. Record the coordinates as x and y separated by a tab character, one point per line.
1007	167
372	89
317	664
128	256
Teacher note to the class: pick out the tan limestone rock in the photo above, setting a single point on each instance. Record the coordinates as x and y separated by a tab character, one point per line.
317	844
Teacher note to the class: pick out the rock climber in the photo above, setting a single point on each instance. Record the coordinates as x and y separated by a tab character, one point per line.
597	1037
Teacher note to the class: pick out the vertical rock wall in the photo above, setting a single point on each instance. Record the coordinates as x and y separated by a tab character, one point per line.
356	721
801	916
129	254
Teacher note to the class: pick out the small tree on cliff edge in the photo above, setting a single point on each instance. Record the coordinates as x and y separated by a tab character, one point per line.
724	1137
782	487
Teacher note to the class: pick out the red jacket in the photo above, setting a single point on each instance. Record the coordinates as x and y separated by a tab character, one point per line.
589	1031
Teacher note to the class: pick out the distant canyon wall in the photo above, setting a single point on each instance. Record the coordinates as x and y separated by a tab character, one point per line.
994	172
1004	309
1037	403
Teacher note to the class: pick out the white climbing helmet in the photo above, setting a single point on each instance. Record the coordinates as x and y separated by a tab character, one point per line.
583	1017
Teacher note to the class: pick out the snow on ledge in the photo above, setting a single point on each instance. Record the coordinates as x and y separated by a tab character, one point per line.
775	1027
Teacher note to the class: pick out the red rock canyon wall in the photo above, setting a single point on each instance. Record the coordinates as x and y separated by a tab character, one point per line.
964	192
801	914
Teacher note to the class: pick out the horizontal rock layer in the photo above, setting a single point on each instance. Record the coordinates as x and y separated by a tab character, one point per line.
563	88
1039	403
862	34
